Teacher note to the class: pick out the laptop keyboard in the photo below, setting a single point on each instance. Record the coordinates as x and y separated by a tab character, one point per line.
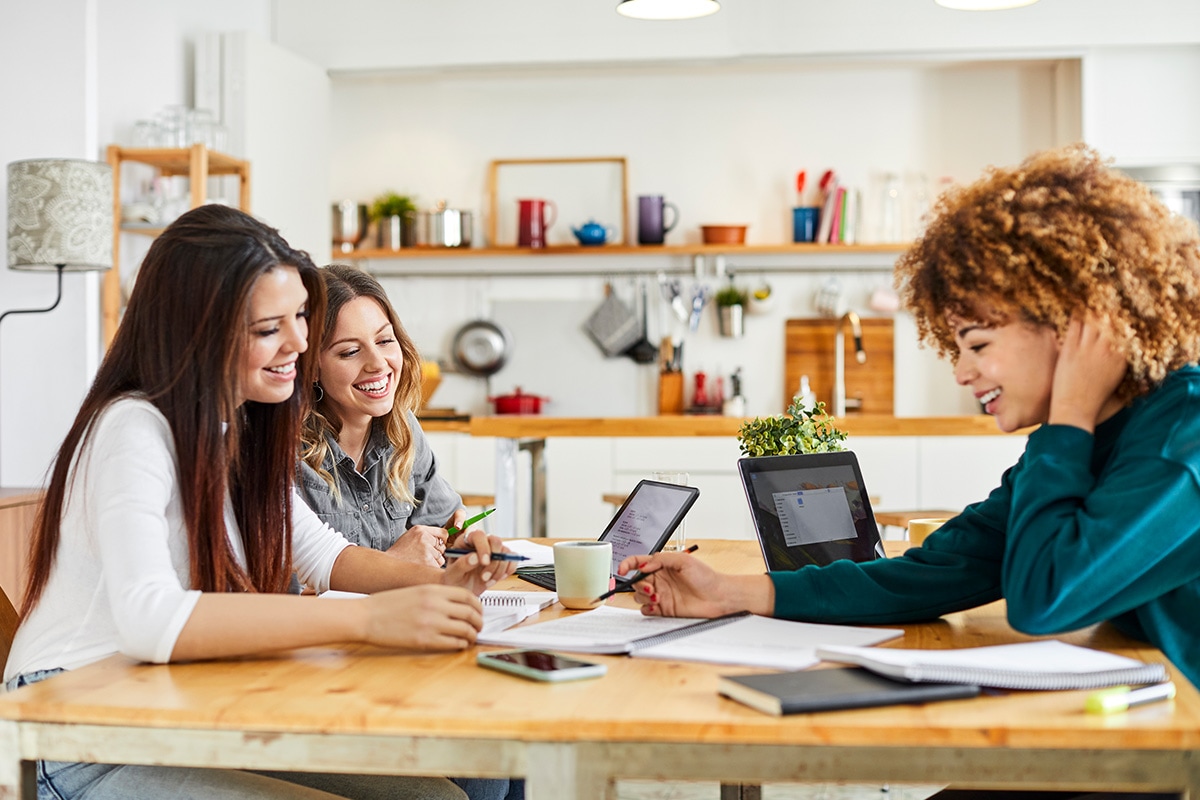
546	580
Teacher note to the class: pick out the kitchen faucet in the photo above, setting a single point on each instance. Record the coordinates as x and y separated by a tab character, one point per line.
839	360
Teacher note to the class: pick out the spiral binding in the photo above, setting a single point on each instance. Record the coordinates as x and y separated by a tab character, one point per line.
1012	679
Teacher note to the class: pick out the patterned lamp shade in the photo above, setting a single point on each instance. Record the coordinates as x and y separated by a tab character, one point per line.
60	214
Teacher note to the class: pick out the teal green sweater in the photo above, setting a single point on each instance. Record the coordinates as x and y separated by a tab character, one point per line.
1084	528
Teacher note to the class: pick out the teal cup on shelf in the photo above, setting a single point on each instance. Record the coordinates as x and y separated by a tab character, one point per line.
804	223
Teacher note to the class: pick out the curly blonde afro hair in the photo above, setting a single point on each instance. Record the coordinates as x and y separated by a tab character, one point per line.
1059	235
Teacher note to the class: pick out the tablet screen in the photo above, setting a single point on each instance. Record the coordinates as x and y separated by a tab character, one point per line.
647	518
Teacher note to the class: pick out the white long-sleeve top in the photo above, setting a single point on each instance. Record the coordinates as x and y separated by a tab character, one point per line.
120	572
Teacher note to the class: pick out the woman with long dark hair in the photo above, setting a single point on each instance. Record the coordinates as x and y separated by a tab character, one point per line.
169	530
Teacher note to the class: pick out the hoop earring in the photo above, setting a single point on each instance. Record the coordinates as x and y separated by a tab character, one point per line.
318	391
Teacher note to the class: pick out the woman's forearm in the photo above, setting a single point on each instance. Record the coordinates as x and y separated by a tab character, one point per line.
223	625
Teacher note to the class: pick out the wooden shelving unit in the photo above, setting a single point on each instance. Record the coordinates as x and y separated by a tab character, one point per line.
198	164
620	250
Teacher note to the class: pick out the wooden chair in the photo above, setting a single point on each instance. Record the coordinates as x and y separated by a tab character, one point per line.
8	625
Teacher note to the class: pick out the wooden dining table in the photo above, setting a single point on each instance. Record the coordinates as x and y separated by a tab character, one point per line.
367	710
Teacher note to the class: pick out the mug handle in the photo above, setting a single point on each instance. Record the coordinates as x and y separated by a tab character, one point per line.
553	216
675	219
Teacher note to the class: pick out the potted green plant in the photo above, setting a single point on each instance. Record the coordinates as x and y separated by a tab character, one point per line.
731	305
802	429
394	216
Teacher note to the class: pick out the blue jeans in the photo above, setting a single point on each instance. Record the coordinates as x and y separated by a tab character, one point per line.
64	780
492	788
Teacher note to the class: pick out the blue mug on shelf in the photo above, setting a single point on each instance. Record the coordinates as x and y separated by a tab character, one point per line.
804	223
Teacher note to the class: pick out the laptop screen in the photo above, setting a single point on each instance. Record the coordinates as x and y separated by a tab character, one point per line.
647	518
810	509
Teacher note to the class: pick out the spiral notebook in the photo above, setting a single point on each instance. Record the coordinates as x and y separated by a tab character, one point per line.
1046	664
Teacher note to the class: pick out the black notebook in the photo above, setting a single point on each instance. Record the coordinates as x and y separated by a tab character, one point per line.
807	691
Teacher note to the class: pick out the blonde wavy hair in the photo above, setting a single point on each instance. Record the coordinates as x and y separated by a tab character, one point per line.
343	284
1061	234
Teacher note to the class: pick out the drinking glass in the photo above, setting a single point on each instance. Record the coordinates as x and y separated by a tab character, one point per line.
678	540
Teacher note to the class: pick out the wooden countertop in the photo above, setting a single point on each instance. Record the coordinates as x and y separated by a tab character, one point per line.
515	426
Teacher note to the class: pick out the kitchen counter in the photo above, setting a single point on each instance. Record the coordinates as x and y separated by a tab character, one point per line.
536	426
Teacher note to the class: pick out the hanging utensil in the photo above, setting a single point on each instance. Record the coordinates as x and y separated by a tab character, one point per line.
643	350
700	295
672	292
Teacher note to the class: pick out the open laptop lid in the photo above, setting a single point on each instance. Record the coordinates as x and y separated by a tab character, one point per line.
810	509
647	518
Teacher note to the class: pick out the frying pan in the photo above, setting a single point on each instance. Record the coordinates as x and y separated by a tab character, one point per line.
481	347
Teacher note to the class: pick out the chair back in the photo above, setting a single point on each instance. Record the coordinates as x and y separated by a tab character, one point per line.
8	626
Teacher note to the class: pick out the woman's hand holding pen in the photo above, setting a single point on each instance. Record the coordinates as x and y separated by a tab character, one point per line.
478	571
681	585
421	544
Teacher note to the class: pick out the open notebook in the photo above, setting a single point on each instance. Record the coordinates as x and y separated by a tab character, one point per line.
742	639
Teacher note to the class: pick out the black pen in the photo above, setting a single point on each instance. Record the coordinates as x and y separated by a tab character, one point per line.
634	577
455	552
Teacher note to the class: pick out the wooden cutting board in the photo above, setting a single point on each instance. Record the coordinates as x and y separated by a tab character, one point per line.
808	350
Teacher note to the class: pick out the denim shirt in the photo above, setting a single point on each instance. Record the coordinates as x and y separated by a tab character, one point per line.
368	514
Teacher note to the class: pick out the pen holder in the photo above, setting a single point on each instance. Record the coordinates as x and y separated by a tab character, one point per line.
670	393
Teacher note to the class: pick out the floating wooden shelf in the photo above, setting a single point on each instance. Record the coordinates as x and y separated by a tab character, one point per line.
618	250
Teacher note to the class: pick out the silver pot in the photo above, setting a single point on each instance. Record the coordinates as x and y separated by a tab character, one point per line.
481	347
349	224
443	227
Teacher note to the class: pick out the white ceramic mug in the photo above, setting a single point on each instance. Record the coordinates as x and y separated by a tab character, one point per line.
918	529
582	572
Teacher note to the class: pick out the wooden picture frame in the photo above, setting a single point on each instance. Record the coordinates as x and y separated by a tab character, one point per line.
582	189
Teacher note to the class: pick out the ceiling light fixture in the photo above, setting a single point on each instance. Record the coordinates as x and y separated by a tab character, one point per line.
984	5
667	9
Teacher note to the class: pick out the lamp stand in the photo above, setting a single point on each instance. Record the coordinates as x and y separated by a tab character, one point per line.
51	307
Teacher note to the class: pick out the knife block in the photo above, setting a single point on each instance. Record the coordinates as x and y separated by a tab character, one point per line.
670	393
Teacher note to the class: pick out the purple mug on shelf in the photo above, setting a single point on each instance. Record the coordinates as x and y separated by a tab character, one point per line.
652	227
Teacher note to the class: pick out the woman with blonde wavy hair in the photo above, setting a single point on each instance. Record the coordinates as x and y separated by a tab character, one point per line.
367	468
1068	299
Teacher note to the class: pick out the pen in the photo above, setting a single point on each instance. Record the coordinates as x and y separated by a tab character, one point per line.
634	577
455	552
1120	698
452	530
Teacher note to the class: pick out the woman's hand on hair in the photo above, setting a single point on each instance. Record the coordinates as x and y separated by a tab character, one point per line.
478	571
421	544
423	618
1087	374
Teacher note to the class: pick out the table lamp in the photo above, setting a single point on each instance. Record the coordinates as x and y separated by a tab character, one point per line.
59	218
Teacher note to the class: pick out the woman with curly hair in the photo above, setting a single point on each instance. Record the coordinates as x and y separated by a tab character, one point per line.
1067	298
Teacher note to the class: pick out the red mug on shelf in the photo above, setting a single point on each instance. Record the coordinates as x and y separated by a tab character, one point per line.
532	222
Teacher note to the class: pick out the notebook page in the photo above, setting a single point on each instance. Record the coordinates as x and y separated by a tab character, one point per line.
765	642
604	630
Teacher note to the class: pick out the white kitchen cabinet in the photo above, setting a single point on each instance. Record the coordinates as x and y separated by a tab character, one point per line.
955	471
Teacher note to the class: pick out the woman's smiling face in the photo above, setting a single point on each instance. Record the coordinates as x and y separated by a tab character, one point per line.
1009	367
361	365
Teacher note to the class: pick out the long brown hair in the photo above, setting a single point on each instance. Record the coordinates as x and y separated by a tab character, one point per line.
180	346
343	284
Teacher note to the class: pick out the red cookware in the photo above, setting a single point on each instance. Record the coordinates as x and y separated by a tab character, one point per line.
518	403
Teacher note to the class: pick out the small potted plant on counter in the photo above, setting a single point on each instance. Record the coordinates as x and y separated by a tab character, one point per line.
803	429
731	306
394	216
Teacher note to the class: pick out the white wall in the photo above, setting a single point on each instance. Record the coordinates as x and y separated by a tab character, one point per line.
724	143
44	364
77	73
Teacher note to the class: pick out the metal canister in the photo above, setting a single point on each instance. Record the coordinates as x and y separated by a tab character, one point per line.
444	227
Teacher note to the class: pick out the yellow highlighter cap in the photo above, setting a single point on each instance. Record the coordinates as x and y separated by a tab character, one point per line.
1108	701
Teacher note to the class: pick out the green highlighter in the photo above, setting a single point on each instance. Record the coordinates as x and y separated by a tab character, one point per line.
454	531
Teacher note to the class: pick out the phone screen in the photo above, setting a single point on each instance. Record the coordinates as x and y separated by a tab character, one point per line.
536	659
538	665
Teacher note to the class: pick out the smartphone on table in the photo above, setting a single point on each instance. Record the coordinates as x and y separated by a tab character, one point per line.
539	665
